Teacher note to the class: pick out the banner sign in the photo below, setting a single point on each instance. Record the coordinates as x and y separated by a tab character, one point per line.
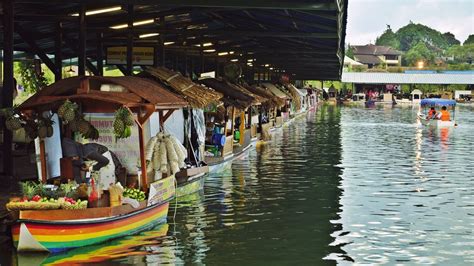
161	191
127	150
141	56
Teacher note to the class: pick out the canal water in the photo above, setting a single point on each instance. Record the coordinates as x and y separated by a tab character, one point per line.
339	186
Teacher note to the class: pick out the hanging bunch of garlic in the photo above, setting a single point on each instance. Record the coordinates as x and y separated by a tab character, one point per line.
165	153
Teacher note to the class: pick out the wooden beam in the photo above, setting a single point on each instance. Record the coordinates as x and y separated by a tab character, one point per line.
8	82
167	115
130	40
82	41
234	4
35	48
100	54
149	110
122	69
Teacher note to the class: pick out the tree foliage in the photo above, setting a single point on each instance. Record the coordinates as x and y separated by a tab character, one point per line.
28	78
350	51
469	40
451	39
419	52
412	34
388	38
462	54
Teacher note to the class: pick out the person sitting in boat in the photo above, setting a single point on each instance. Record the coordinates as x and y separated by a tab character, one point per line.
444	115
81	152
431	114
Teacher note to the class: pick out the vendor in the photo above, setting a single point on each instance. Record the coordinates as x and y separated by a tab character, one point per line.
81	152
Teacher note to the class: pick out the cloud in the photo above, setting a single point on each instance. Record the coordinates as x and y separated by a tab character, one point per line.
367	19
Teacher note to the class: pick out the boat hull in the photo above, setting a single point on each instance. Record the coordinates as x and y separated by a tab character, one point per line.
60	235
192	186
435	122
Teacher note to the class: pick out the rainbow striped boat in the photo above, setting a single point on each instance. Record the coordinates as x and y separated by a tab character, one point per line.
60	230
136	245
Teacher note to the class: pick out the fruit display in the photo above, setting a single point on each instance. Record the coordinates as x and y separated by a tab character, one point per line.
67	111
123	123
45	127
41	197
29	189
71	204
70	114
164	152
31	128
32	205
134	193
12	119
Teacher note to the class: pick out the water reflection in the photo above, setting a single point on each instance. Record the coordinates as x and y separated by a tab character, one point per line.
121	250
407	189
340	185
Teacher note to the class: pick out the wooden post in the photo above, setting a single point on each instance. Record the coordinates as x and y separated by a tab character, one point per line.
250	117
232	126
58	60
202	58
161	121
82	41
44	171
156	56
8	81
242	127
163	54
162	41
100	54
141	140
185	73
130	41
192	68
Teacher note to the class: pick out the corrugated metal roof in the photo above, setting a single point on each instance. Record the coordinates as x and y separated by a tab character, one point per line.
403	78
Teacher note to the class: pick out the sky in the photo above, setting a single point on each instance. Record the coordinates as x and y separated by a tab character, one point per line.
368	19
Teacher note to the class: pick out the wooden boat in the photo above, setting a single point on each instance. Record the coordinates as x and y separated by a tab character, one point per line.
99	253
191	180
436	123
60	230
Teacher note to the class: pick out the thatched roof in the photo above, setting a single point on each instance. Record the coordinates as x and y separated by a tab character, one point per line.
295	95
276	91
272	100
196	95
258	100
133	92
232	96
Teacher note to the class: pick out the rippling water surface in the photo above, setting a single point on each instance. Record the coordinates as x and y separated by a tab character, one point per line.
338	186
